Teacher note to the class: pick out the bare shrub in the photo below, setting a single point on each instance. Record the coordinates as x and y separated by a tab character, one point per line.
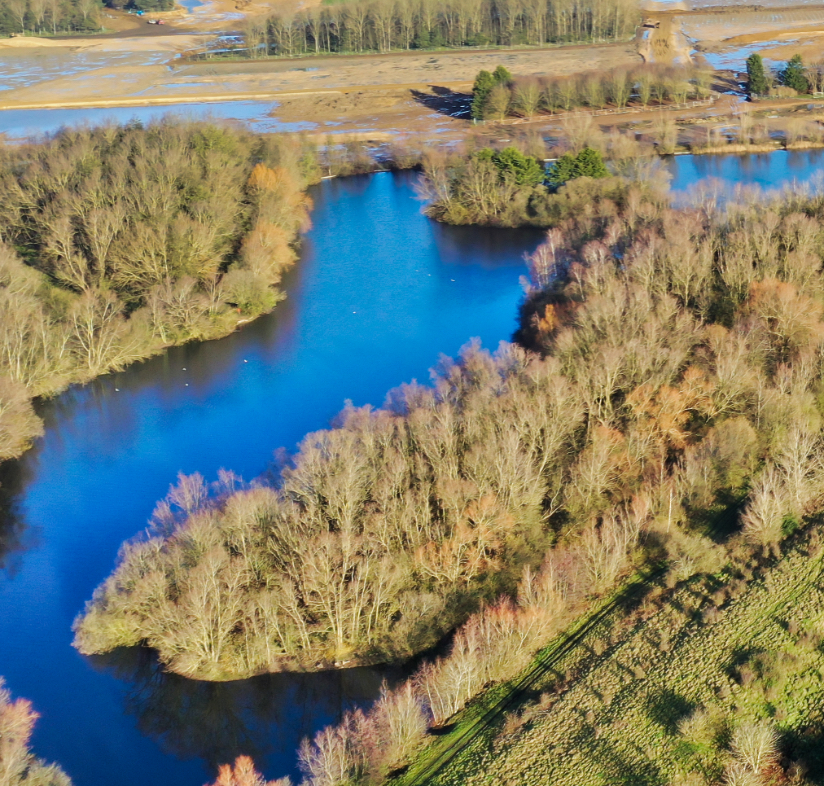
755	745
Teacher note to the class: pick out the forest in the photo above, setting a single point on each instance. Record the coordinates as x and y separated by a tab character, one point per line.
41	17
118	242
691	340
385	25
50	16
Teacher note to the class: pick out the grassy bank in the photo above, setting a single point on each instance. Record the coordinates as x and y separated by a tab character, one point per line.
658	701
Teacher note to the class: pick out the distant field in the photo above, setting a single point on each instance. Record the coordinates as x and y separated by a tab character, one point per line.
719	27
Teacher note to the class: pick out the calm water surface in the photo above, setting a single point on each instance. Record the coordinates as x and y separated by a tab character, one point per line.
21	123
766	170
379	292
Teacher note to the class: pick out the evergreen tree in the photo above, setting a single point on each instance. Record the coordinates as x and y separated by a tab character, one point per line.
562	170
524	170
588	163
484	83
758	85
501	76
793	75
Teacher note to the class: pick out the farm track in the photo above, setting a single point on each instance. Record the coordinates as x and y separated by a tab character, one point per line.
547	660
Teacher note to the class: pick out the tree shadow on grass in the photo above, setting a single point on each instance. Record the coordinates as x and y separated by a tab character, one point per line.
806	747
668	709
444	101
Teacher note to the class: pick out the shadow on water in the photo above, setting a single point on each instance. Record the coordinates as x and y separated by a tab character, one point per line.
14	536
215	722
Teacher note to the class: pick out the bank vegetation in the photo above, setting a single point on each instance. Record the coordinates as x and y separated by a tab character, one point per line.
18	765
692	340
118	242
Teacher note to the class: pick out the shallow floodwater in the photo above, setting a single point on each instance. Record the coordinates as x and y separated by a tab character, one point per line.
22	69
19	123
379	292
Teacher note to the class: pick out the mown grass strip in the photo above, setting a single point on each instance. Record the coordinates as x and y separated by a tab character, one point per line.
482	713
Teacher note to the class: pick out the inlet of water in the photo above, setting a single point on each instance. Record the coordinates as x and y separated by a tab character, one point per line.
379	293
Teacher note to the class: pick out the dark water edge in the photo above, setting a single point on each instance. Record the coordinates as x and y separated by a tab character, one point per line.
379	293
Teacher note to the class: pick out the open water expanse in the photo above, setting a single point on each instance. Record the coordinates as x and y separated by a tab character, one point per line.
379	293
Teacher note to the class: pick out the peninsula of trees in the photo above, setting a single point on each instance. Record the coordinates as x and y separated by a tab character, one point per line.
690	343
672	377
118	242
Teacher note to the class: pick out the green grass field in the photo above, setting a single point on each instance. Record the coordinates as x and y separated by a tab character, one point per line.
649	690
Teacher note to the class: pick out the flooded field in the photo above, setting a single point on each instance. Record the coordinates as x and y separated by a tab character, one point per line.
20	123
24	69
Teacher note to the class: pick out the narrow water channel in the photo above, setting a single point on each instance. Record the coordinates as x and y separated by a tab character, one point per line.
379	293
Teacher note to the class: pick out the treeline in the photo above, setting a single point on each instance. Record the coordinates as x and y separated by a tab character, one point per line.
691	340
118	242
49	16
499	95
18	765
386	25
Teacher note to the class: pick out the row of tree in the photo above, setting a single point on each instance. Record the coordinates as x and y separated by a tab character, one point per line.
498	95
385	25
118	242
49	16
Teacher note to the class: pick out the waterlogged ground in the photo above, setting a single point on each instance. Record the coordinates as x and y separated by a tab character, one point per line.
42	65
19	123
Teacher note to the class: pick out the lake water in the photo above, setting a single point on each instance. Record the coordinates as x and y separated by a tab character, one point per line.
766	171
379	293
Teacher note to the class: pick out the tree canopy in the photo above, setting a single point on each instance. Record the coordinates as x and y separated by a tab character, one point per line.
485	83
793	75
588	163
758	83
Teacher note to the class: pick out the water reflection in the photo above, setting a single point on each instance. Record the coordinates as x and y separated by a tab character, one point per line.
766	170
13	534
264	717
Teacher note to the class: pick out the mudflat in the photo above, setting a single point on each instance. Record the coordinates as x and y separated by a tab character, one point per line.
152	72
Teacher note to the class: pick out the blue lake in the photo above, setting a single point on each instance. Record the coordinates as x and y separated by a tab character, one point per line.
378	294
